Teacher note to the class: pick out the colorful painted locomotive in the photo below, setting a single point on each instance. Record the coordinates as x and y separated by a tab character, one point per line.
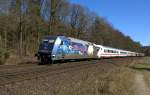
54	48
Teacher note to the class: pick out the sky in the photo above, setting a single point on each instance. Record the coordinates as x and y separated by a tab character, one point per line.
132	17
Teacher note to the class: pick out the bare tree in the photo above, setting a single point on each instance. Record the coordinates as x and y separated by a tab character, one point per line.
24	22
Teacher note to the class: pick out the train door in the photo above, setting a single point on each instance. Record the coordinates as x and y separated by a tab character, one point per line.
96	50
100	51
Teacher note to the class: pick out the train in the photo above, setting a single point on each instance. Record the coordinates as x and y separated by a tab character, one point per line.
54	48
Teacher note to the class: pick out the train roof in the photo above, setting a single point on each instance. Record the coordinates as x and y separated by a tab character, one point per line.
70	38
84	42
79	41
106	47
49	37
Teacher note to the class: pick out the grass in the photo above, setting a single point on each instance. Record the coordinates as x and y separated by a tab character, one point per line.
4	55
147	77
141	63
144	66
103	79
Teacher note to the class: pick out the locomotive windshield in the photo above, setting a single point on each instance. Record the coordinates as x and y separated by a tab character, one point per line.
47	44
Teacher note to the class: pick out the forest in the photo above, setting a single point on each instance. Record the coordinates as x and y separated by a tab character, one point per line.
24	22
146	50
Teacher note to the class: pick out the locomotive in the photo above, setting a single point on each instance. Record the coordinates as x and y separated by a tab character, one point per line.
53	48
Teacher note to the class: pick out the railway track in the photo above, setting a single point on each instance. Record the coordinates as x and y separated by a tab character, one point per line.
29	72
37	72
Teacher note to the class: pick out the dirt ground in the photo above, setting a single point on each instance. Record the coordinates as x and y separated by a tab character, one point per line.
100	78
142	76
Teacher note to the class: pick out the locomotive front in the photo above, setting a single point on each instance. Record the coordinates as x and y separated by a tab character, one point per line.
45	51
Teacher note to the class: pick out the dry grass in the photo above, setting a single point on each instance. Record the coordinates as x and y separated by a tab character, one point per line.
147	77
143	66
102	79
142	60
15	60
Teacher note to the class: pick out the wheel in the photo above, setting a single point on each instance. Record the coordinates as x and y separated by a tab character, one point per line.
43	61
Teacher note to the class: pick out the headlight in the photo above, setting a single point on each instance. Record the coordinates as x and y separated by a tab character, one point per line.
53	56
51	41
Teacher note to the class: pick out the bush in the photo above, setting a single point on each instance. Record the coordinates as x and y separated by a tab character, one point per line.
4	55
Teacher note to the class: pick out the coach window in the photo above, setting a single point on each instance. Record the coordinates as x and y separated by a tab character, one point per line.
114	51
108	51
111	51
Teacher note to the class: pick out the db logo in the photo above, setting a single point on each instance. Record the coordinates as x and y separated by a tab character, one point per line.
70	47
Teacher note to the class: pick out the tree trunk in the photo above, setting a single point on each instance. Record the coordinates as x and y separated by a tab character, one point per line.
5	46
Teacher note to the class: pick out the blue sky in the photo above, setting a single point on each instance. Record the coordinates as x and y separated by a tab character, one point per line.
132	17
